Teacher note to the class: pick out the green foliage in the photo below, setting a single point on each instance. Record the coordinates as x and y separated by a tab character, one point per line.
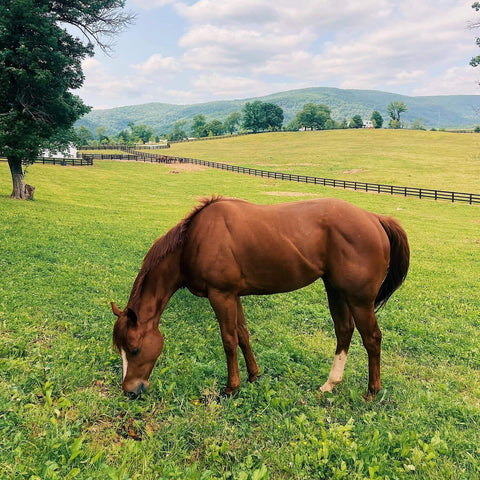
313	117
232	122
62	412
394	110
377	119
39	66
199	126
215	127
260	116
356	122
84	135
178	131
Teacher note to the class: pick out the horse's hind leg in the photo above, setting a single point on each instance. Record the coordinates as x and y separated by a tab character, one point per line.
244	341
344	326
366	323
225	307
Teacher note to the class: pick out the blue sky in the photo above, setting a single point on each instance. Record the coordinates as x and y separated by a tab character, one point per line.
186	52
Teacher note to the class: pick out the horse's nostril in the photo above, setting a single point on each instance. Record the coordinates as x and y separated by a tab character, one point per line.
138	391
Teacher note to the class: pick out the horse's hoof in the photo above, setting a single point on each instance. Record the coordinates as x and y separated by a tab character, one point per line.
254	378
225	394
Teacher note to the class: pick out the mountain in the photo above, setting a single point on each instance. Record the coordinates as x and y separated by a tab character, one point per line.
449	111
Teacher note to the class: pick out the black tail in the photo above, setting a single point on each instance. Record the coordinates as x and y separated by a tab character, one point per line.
399	260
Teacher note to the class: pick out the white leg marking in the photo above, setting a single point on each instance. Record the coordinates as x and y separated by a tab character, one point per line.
336	373
124	364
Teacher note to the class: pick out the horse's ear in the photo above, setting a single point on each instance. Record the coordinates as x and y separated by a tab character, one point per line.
116	311
132	317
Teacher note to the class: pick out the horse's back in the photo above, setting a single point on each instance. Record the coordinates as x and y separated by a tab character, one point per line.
250	248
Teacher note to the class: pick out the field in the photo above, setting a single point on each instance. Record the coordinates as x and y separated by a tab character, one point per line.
79	245
437	160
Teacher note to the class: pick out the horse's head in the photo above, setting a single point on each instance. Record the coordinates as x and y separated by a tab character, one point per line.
140	344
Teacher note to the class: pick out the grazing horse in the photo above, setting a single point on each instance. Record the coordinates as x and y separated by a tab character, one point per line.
227	248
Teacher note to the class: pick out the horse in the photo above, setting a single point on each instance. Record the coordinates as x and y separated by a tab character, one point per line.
228	248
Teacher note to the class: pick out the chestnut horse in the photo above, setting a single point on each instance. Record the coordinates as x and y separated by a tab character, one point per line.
227	248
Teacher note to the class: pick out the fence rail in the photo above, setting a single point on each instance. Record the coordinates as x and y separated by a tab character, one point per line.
451	196
76	162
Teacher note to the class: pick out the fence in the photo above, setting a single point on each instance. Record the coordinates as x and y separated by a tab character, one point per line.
471	198
76	162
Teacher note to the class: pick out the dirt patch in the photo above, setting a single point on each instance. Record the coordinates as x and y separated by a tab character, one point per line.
292	194
355	170
186	167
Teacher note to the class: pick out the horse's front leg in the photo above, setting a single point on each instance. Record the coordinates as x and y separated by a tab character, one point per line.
225	307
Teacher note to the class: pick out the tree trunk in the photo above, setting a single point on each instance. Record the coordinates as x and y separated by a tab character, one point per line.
19	189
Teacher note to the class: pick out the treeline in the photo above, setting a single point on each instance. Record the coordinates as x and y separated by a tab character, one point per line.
256	116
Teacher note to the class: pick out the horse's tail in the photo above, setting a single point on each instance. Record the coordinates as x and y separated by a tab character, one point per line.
399	260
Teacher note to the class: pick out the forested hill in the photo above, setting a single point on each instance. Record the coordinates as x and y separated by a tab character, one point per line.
453	111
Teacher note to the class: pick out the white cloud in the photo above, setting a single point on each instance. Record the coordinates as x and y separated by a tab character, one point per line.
156	64
238	49
454	81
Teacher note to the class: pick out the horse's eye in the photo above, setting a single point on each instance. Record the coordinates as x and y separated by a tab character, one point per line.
135	351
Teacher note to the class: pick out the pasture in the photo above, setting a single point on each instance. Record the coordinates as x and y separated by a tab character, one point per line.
80	244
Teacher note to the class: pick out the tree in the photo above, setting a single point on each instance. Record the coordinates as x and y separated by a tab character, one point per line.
199	126
394	109
84	135
356	122
40	64
313	116
258	116
215	127
141	133
232	122
376	119
178	133
475	61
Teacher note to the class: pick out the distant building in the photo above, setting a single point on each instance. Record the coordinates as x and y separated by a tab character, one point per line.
70	152
368	124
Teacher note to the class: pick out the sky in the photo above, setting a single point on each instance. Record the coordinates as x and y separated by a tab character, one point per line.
189	51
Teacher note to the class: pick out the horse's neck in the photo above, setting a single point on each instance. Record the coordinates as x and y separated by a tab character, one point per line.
158	285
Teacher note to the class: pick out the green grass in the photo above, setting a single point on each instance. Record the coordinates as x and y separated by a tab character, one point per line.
79	245
437	160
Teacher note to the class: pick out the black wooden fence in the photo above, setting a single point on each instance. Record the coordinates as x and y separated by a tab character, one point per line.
471	198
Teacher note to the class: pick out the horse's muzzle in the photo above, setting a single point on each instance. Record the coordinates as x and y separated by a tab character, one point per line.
141	388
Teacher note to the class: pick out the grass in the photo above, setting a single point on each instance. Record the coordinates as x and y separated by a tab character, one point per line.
437	160
79	245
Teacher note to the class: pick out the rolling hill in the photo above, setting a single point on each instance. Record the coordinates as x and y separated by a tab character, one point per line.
451	111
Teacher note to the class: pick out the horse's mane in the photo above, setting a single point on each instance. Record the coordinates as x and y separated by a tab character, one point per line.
165	245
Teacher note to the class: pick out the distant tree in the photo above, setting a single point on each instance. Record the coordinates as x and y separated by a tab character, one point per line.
232	122
102	134
417	124
274	116
178	132
394	109
260	116
40	65
215	128
313	116
344	123
84	135
141	133
376	119
356	122
199	126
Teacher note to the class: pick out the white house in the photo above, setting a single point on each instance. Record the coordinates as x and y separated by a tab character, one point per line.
70	152
367	124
